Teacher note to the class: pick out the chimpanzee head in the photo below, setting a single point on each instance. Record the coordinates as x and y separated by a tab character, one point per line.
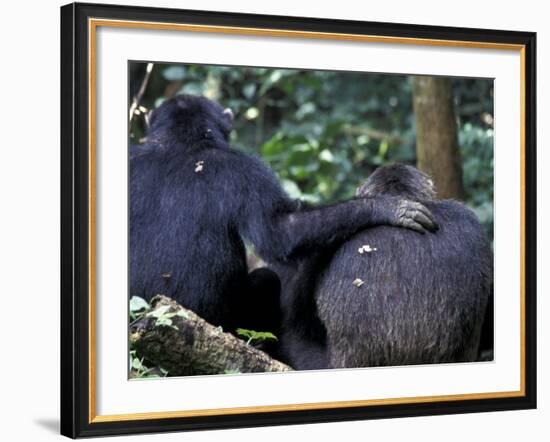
190	122
398	180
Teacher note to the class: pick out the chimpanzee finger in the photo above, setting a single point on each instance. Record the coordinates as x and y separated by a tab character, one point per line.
424	216
413	225
422	219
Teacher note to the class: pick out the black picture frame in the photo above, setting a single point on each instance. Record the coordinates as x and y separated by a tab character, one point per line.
75	221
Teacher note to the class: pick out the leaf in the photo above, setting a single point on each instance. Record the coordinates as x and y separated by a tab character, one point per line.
249	90
265	336
157	313
174	73
159	101
163	321
192	89
273	146
137	304
137	365
273	78
244	332
253	335
326	155
305	110
291	188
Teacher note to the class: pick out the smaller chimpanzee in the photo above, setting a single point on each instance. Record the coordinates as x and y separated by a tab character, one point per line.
391	296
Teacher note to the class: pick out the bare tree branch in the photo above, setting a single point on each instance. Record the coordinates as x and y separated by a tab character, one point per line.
137	98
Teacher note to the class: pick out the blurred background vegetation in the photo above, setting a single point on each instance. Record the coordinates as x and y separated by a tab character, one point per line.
324	132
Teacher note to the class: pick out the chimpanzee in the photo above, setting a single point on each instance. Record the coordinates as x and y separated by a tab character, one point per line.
194	201
390	296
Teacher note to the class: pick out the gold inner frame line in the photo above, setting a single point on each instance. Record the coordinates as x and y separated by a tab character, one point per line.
93	24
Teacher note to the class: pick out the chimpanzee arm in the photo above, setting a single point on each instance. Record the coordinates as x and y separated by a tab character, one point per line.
326	225
280	227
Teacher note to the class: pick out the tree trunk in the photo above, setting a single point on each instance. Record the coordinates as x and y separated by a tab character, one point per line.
436	135
183	343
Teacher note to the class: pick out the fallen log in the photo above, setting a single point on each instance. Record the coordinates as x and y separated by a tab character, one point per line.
181	342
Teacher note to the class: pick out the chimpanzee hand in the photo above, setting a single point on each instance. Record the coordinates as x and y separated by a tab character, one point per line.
414	215
405	213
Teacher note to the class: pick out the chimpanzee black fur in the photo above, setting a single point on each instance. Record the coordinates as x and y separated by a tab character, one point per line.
405	299
194	200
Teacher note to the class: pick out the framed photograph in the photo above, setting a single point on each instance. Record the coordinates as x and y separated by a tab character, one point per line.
274	220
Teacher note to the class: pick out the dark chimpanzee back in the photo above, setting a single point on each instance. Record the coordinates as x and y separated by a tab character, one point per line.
392	296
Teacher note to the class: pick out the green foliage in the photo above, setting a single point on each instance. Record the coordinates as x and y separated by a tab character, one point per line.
324	132
255	337
138	369
164	316
476	146
138	308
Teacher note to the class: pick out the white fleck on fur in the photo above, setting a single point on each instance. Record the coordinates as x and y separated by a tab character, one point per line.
199	165
366	249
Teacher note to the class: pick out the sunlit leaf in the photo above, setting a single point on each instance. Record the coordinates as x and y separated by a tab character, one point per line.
137	304
173	73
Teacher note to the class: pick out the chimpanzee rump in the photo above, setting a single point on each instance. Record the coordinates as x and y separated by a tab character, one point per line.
391	296
193	200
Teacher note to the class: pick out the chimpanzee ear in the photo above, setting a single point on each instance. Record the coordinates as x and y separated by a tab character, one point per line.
229	114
